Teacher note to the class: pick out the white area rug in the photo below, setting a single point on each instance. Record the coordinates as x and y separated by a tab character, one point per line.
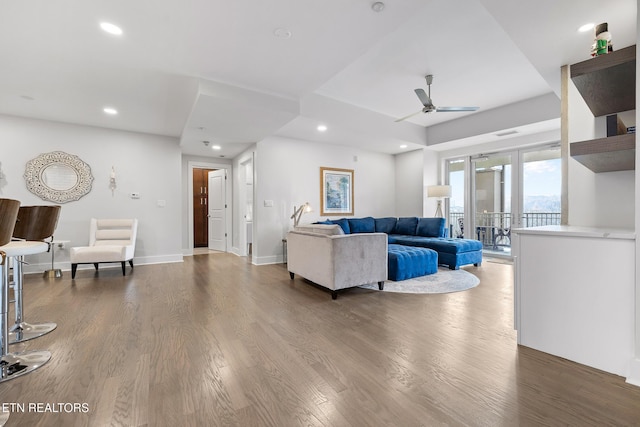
442	282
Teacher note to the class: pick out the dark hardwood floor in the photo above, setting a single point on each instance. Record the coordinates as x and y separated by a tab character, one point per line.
215	341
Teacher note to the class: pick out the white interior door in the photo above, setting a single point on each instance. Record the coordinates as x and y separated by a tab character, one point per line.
217	210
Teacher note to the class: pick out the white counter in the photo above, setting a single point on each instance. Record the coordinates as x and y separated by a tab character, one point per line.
577	231
574	293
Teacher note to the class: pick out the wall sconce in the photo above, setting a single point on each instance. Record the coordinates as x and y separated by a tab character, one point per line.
441	192
297	213
112	180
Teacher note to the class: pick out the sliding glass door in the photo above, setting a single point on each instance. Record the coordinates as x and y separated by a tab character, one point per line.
493	193
493	196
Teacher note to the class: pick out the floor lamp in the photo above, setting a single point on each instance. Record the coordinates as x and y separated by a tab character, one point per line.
441	192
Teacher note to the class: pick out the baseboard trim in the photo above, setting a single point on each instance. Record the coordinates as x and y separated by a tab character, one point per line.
634	372
272	259
66	266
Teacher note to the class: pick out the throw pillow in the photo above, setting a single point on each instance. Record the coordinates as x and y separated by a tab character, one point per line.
385	225
343	223
406	226
362	225
430	227
326	221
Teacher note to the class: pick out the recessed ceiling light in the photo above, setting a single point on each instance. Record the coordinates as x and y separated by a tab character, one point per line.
586	27
377	6
282	33
403	146
216	147
321	128
110	111
111	28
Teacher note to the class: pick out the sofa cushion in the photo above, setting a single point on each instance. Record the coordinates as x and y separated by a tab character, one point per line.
406	226
362	225
100	253
385	225
439	244
343	223
430	227
405	262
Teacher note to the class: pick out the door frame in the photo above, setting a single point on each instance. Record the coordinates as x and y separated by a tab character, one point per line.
191	165
245	179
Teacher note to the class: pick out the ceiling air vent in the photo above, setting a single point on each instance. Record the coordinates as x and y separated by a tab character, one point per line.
506	132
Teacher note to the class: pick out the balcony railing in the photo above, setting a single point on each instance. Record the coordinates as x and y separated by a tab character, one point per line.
536	219
493	229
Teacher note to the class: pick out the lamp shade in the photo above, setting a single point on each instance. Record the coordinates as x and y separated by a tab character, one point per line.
441	191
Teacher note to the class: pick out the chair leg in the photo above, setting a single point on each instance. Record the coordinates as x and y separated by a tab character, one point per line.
74	267
122	263
131	263
95	264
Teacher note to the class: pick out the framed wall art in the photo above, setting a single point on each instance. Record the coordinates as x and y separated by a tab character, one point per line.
336	191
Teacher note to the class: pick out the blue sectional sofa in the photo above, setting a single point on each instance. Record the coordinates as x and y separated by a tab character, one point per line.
427	233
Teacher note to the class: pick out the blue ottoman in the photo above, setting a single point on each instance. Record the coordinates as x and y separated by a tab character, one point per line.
405	262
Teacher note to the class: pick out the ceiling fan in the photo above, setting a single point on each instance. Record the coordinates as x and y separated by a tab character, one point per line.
428	104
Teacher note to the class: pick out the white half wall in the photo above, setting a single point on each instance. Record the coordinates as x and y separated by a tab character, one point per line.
143	163
287	174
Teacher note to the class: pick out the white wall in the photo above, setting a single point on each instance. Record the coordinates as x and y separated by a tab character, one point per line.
288	174
432	174
409	174
147	164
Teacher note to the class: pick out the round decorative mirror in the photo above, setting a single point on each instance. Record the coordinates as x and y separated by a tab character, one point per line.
58	177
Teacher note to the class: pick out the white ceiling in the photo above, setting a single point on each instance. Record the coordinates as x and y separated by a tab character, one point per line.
214	70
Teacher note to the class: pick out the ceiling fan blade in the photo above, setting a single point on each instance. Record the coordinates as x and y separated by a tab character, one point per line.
454	109
409	116
426	101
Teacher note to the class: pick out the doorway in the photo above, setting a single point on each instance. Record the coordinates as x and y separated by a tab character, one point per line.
200	180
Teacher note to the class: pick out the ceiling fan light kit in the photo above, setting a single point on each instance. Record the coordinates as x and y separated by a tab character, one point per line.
428	106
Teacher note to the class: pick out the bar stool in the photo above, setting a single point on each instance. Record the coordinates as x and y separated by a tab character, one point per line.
13	365
34	224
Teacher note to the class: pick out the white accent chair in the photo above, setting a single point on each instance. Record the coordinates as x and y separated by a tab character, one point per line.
110	241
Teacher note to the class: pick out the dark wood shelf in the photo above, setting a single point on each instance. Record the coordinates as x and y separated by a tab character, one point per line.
608	85
608	82
615	153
